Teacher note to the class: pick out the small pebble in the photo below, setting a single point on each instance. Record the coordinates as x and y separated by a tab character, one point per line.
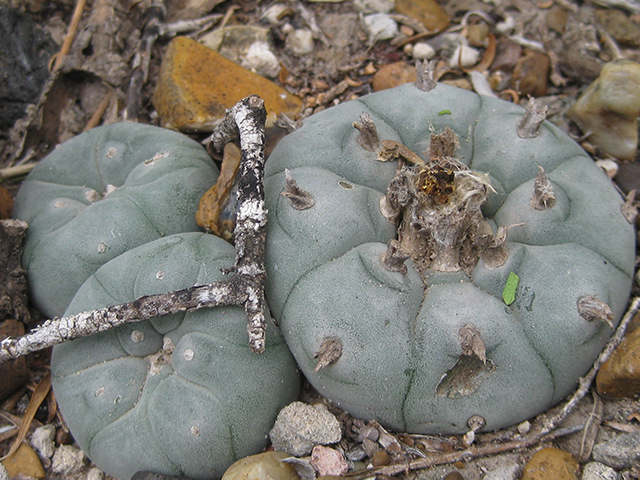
261	60
67	460
381	26
393	75
610	167
328	461
621	452
274	14
264	466
551	464
619	376
299	427
300	42
464	56
598	471
381	458
423	51
4	475
374	6
507	472
95	474
42	440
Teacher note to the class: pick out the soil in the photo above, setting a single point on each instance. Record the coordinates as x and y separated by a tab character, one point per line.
570	39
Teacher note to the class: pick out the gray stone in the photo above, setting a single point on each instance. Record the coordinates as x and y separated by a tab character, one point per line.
423	51
381	26
299	427
508	472
43	440
621	452
67	460
261	60
599	471
4	475
374	6
95	474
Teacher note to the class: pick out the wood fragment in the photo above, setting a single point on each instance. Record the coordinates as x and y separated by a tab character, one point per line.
245	288
591	429
543	196
390	150
329	352
300	199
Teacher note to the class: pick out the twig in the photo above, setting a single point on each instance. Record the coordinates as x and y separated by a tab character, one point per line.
245	287
17	171
71	34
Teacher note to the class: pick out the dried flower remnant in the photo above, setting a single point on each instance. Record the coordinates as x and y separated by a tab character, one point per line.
329	352
591	308
543	196
529	126
425	77
437	210
300	199
394	257
368	137
471	342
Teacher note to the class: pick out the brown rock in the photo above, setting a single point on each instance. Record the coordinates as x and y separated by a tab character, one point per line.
6	203
556	19
428	12
25	462
530	74
393	75
13	373
551	464
507	54
620	375
197	85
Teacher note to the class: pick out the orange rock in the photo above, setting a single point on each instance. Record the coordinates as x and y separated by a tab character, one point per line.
393	75
620	375
428	12
197	85
530	74
24	461
551	464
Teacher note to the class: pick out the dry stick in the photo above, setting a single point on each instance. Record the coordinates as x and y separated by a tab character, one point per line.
245	287
71	34
548	432
17	171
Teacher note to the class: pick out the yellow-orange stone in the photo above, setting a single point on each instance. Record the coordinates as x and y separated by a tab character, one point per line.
551	464
24	461
429	12
197	85
620	375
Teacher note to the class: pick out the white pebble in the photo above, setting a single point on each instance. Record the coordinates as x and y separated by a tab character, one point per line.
273	13
42	440
4	475
465	56
67	460
381	26
423	51
137	336
374	6
261	60
609	166
300	42
95	474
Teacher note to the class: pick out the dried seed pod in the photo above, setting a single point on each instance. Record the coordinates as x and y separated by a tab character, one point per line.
471	342
329	352
591	308
368	138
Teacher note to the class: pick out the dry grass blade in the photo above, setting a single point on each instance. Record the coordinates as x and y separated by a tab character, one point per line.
591	429
71	34
39	395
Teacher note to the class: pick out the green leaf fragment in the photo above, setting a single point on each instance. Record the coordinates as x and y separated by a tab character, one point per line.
509	292
444	112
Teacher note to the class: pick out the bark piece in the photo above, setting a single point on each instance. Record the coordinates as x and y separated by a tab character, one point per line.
591	308
13	278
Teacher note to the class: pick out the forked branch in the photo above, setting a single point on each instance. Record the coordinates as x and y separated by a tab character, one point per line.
246	287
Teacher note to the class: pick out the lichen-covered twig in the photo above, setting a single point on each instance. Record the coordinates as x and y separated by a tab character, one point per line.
245	287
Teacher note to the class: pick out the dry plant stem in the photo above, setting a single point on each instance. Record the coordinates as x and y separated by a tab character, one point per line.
71	34
245	288
17	171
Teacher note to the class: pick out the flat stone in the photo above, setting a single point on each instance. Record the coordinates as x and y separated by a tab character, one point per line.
620	374
619	453
609	109
42	440
300	42
197	85
328	461
598	471
24	461
428	12
623	30
380	26
264	466
13	373
67	460
299	427
551	464
393	75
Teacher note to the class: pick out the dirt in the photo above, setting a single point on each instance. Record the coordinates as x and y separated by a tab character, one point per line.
572	39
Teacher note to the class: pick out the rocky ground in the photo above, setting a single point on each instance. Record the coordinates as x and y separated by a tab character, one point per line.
321	54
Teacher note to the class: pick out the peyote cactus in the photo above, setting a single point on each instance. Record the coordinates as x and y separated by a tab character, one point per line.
436	256
102	193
